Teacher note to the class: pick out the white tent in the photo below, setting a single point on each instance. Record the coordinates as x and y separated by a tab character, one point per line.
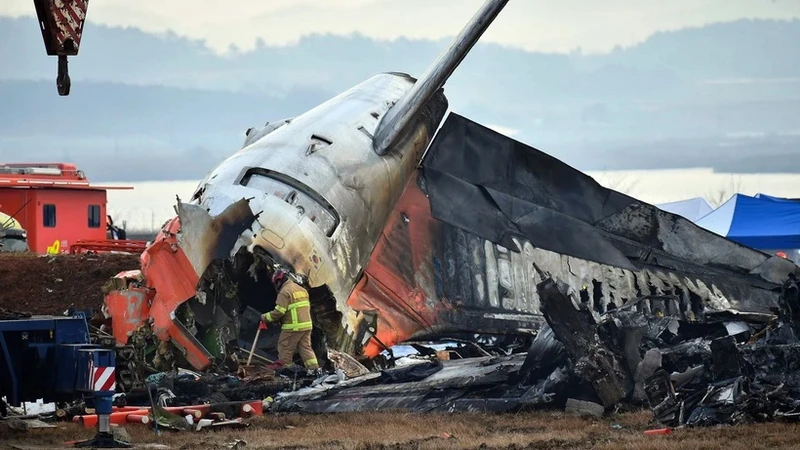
692	209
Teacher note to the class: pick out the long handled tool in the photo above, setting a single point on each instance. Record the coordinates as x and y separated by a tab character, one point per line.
261	326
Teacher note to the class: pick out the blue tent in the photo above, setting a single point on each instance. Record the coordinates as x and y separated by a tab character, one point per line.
775	199
760	223
692	209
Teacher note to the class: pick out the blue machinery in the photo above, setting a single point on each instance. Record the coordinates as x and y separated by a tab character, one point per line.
51	358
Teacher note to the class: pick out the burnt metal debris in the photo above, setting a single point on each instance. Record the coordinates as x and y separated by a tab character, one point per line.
746	371
727	369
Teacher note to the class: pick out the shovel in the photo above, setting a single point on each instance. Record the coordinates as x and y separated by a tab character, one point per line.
261	326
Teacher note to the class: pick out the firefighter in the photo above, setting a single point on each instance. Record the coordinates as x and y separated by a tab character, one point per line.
293	312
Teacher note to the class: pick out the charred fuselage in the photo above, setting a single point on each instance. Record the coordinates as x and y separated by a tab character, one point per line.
320	193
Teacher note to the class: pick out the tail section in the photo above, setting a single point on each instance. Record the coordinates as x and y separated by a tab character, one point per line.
397	120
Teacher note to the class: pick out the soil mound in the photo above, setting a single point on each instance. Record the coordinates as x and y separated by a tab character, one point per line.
50	284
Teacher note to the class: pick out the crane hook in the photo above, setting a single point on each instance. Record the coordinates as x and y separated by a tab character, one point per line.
62	80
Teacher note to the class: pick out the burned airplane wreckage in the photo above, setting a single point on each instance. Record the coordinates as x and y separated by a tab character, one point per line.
730	368
405	233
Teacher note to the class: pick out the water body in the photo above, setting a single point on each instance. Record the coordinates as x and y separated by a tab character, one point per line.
151	203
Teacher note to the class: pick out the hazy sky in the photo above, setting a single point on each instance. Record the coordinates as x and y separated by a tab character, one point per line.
545	25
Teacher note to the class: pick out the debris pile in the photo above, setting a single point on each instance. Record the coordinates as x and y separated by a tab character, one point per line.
470	384
181	418
189	388
749	375
187	400
723	368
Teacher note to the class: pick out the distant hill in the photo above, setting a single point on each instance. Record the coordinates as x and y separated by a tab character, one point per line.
147	97
740	49
122	132
745	48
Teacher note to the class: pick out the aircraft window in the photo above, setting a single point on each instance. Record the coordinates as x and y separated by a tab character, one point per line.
302	197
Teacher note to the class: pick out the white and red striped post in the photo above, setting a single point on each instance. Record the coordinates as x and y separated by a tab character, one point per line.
104	383
101	382
104	379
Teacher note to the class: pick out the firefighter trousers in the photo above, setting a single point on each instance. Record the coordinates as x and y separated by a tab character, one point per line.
290	342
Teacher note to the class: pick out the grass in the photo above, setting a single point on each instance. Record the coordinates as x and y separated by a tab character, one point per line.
400	431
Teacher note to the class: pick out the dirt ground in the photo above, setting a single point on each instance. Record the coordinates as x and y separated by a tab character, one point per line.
50	284
428	431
